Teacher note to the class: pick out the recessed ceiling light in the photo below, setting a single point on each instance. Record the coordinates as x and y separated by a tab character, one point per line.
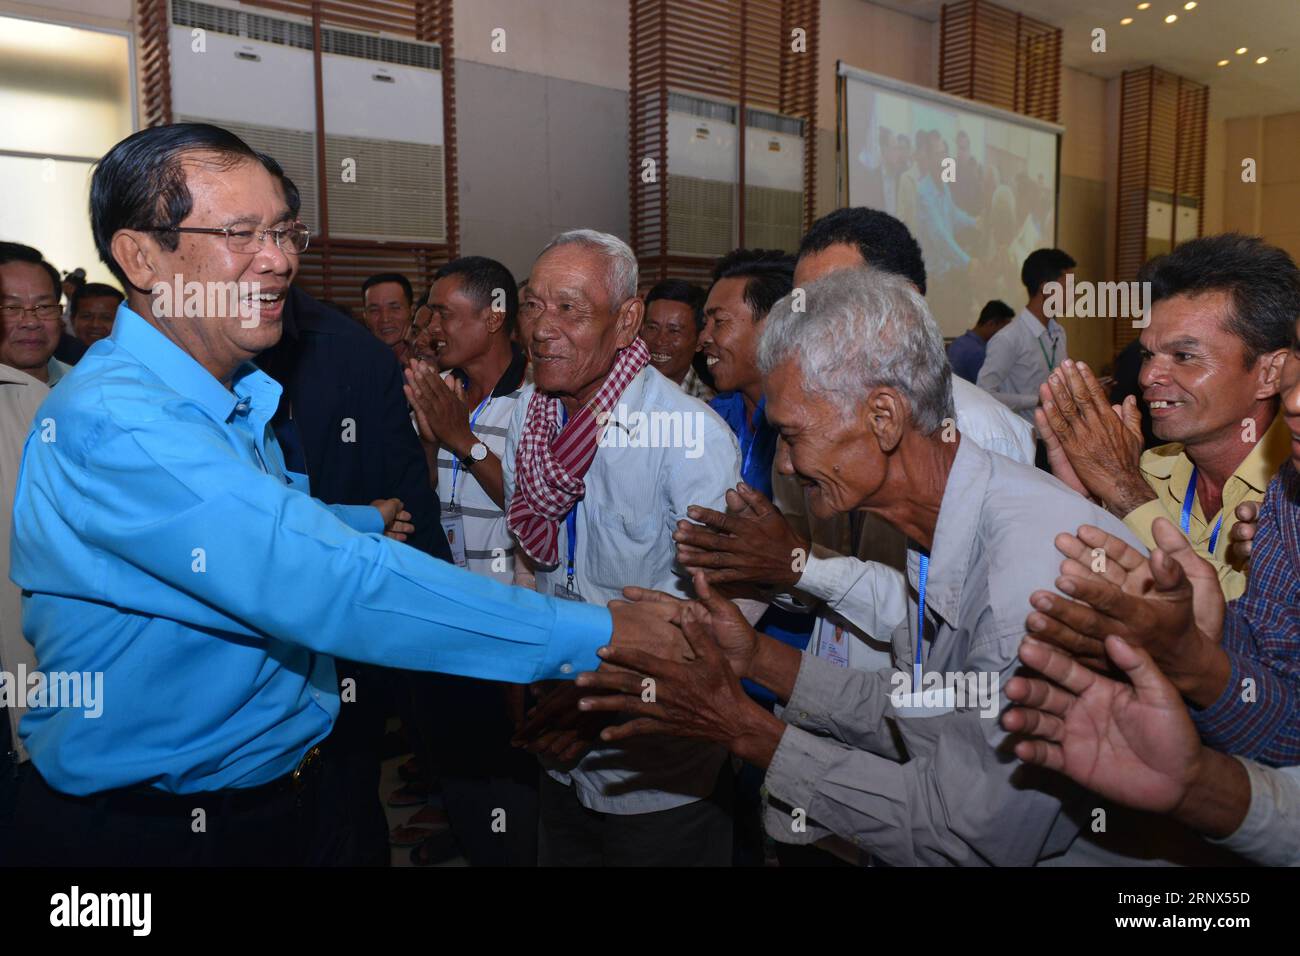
1261	59
1240	50
1126	21
1171	18
1143	6
1223	63
1189	5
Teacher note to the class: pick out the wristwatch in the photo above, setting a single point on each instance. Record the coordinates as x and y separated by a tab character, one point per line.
477	452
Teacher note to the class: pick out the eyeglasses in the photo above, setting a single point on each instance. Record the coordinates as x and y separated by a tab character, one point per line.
45	313
292	240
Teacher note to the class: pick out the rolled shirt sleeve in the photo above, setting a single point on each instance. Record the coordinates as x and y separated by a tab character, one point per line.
870	595
1270	834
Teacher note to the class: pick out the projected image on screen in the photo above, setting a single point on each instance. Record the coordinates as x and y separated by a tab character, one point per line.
978	193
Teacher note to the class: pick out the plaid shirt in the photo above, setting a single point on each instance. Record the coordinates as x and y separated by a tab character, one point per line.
1261	635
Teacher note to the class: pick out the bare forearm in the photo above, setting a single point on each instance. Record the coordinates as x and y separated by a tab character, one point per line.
1127	492
488	474
1219	797
775	666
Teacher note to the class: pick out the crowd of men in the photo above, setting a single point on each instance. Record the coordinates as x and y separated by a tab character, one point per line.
748	572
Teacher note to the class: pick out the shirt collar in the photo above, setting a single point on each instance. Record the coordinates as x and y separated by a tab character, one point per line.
185	376
956	530
511	379
1170	462
1036	328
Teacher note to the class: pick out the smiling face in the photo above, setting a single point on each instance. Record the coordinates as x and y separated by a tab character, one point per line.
94	318
730	336
244	196
458	329
1194	377
838	460
672	336
569	325
27	340
388	312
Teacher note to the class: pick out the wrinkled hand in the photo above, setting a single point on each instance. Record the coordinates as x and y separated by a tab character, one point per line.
555	729
751	544
652	626
1170	605
397	522
1242	536
1100	442
1133	743
700	698
441	413
723	620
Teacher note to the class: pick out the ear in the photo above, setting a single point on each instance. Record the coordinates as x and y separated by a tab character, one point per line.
493	320
137	254
884	415
1269	371
628	321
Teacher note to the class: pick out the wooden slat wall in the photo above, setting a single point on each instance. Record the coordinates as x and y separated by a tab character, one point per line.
1161	149
997	56
735	50
333	269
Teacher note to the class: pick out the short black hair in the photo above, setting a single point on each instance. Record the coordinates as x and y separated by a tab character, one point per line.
17	252
679	290
1043	266
92	290
995	310
770	275
397	277
882	241
482	277
141	183
1261	279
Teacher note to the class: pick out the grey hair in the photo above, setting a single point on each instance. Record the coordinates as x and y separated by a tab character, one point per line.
621	277
861	329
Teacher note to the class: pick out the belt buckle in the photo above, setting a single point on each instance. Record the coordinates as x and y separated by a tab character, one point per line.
309	759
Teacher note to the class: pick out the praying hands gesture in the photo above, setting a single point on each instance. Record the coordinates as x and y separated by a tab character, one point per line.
1092	446
1170	605
1132	742
441	412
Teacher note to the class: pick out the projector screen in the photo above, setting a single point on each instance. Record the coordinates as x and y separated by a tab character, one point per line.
976	186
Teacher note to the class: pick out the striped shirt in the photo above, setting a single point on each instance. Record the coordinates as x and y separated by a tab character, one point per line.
489	548
1258	714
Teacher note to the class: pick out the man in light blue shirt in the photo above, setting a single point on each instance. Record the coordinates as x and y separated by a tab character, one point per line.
171	558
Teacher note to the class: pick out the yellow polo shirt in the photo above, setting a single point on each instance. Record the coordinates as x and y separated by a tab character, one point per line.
1168	471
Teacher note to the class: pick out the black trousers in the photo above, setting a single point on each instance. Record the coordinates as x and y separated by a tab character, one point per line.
275	825
489	788
697	834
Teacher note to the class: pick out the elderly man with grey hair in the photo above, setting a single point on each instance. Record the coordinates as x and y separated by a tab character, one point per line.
906	763
602	457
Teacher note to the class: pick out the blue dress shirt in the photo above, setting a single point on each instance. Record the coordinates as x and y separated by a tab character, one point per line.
966	355
757	438
164	544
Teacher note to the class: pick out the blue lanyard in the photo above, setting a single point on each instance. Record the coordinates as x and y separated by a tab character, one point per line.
455	462
570	521
1186	521
920	620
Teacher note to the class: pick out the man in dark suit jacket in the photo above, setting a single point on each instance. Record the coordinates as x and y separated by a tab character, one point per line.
344	421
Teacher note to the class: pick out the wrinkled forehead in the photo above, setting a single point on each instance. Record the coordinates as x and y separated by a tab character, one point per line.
574	271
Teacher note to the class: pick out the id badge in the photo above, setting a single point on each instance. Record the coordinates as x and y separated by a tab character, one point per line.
563	592
832	643
453	526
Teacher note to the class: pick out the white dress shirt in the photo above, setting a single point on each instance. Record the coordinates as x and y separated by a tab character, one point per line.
1018	360
625	521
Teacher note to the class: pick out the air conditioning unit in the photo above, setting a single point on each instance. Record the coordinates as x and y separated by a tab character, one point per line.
702	175
253	74
774	152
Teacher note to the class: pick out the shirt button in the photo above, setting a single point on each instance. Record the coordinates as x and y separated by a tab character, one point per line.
566	668
803	715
